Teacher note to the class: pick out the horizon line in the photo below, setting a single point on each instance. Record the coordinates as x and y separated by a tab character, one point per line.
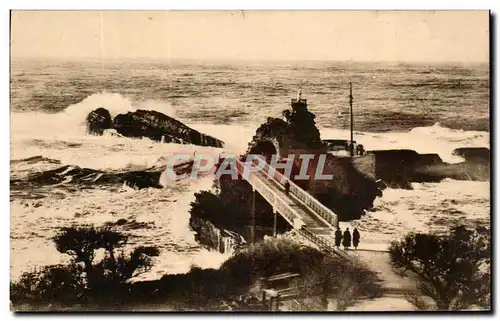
238	60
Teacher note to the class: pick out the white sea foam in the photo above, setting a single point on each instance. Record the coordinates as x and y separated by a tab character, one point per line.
429	207
71	121
166	211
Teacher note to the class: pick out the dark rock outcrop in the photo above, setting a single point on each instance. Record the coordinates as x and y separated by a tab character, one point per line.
475	154
464	171
74	175
151	124
70	176
124	224
399	168
270	137
296	131
476	166
349	193
98	120
160	127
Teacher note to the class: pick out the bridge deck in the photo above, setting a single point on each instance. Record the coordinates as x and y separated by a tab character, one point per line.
319	222
312	221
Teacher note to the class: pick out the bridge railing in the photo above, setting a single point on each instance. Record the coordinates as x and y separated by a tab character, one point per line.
285	210
279	205
296	191
303	196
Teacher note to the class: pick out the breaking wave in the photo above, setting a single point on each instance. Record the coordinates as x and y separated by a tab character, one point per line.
71	121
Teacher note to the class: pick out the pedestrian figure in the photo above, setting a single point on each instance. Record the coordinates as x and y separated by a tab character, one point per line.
355	238
360	150
338	237
346	242
287	187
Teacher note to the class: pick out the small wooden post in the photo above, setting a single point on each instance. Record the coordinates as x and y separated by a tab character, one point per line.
275	223
275	302
252	218
352	120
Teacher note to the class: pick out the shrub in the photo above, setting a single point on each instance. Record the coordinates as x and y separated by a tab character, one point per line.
84	279
333	277
83	242
49	284
454	269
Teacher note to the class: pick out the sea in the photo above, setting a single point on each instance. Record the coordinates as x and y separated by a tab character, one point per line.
430	108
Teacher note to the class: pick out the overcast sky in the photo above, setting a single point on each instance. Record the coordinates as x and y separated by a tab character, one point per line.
459	36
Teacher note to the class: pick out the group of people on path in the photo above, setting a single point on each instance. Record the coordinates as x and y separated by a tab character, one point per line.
345	238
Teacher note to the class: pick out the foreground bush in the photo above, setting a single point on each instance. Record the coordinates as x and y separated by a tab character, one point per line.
454	269
84	279
49	284
322	276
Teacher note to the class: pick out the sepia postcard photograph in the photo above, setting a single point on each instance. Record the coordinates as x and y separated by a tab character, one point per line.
250	161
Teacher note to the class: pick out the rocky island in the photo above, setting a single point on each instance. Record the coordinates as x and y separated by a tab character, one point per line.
148	123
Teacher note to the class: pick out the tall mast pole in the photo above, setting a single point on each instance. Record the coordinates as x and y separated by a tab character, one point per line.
352	120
